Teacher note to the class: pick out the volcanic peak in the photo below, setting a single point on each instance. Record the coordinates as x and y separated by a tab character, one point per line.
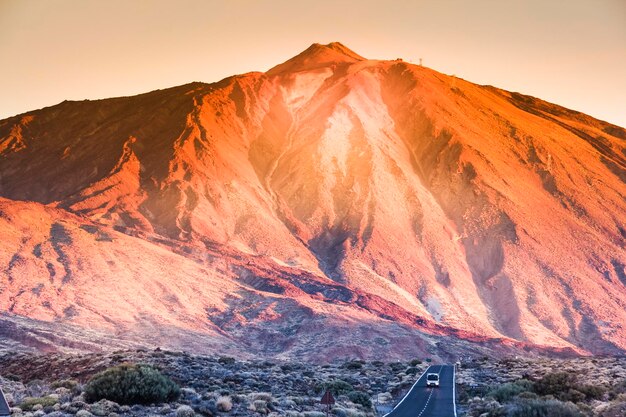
316	56
332	198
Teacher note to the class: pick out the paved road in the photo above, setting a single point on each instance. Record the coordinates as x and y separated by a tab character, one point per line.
429	402
4	407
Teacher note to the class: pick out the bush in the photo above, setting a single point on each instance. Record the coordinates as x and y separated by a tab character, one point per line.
565	387
617	389
616	408
555	384
259	406
353	365
69	384
185	411
346	412
572	395
415	362
206	408
593	392
528	395
36	388
131	384
397	366
506	392
360	397
543	408
226	360
224	404
411	371
337	387
484	408
29	402
262	396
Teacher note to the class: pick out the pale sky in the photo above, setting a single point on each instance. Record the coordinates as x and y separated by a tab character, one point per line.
570	52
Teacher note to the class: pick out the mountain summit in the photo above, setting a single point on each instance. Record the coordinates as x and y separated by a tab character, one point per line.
318	56
331	207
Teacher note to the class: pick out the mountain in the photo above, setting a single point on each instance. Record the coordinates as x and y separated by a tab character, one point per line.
333	206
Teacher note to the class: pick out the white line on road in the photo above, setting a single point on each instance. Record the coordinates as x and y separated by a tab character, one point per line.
454	388
427	401
430	395
407	394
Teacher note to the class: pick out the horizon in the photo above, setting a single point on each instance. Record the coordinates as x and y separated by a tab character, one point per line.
129	49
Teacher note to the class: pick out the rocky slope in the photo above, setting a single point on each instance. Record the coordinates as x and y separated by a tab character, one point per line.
333	205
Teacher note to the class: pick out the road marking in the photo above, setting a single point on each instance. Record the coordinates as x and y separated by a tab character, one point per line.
454	388
430	395
427	401
407	394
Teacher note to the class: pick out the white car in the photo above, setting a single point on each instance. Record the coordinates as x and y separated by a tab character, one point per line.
432	380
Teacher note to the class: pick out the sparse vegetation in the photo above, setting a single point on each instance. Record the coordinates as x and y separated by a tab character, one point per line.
555	383
361	398
31	403
214	387
542	408
185	411
336	387
131	384
347	412
263	396
353	365
397	366
259	406
69	384
556	388
224	404
565	387
616	408
506	392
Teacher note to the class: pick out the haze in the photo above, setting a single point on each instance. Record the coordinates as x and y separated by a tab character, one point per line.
572	53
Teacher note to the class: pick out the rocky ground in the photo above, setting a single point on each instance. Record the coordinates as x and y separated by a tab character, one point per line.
520	386
207	383
38	385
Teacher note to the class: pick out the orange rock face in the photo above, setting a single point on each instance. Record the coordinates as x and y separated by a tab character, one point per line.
332	206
